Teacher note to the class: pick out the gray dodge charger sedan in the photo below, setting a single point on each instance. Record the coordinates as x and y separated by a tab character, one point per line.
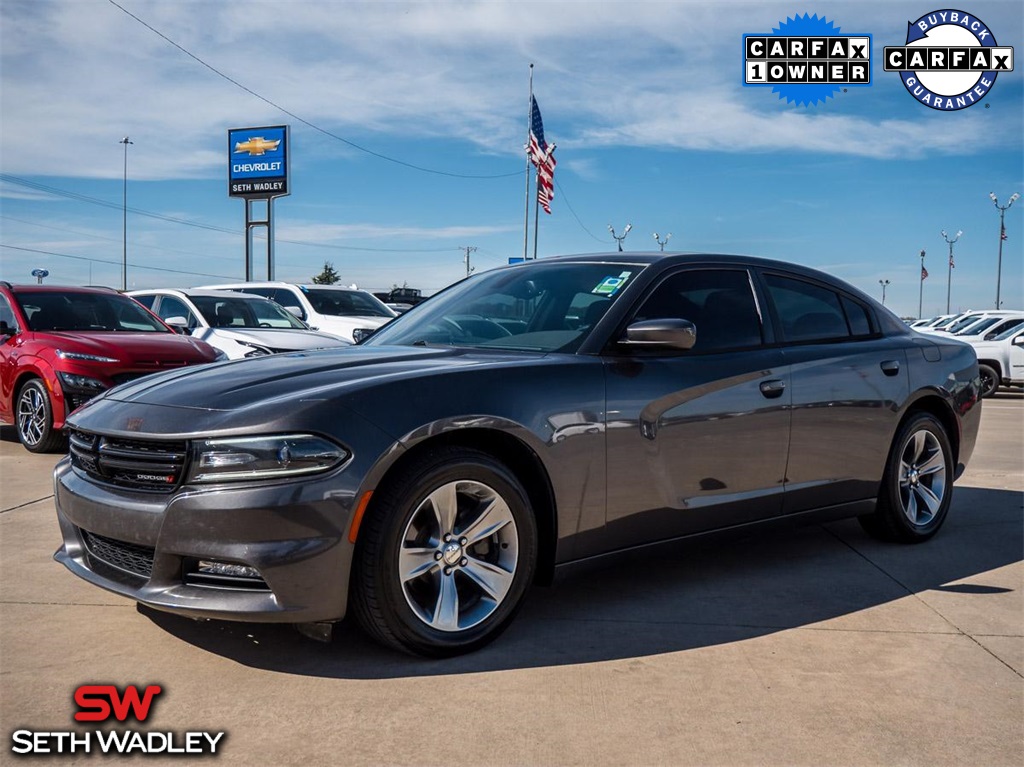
520	421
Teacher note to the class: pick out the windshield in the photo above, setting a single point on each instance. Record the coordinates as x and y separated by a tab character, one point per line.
963	323
237	312
346	303
537	307
977	326
86	312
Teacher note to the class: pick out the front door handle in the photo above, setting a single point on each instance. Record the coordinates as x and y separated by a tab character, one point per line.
890	367
773	388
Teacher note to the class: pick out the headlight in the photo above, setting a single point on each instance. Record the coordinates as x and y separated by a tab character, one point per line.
278	457
255	349
78	356
220	355
74	381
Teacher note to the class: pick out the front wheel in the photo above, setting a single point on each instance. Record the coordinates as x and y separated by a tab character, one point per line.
989	380
445	554
917	486
34	417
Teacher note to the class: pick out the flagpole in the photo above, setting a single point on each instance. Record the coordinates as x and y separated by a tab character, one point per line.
920	293
529	124
536	215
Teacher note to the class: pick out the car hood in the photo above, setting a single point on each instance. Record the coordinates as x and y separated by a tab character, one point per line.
274	338
131	348
261	384
337	323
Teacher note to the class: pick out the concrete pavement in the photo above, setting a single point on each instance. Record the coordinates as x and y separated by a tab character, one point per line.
807	647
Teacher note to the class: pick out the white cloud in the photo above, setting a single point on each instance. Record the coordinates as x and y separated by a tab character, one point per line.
77	76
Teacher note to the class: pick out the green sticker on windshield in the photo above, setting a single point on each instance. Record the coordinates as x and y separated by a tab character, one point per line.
609	286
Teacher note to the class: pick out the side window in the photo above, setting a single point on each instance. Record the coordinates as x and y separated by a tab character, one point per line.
857	317
807	312
289	301
7	314
719	302
172	307
146	301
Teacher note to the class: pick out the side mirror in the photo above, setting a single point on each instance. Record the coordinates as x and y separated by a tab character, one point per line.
6	330
361	334
179	325
1018	341
296	310
669	333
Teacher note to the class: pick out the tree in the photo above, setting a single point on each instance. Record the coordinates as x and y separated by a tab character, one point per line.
328	276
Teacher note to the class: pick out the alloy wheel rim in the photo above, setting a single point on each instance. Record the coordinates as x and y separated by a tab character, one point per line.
922	478
458	555
31	416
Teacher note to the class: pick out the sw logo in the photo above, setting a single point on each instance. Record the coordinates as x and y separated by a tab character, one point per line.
950	60
806	60
97	702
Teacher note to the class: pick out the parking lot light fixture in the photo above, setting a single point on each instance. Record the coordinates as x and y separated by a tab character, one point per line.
949	270
620	237
884	284
1002	236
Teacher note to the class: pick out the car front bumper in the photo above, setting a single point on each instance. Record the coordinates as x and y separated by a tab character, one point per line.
146	546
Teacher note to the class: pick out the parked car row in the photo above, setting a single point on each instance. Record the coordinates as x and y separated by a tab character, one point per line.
61	346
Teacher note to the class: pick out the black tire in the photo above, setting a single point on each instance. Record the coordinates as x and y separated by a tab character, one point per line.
989	379
33	416
406	516
917	486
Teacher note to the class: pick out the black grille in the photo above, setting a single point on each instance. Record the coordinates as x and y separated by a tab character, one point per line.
121	378
124	556
134	463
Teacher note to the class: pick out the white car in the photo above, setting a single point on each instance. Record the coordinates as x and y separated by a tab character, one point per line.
967	320
1001	360
989	327
239	324
329	308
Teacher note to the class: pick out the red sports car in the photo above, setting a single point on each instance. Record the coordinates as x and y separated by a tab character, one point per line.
61	346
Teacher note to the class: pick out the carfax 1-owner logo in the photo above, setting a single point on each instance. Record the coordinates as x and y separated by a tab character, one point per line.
806	59
950	60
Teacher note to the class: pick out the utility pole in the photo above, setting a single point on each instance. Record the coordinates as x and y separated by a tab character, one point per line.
661	242
124	207
1002	236
949	270
469	249
884	284
620	238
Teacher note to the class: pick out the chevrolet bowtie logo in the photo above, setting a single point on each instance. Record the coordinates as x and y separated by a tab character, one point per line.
257	145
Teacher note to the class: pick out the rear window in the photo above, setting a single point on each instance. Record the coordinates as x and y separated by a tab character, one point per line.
807	312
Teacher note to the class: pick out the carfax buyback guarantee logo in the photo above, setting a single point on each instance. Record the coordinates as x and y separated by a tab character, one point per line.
950	60
806	59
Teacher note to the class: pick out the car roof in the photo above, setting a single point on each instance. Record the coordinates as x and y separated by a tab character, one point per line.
60	289
199	292
278	284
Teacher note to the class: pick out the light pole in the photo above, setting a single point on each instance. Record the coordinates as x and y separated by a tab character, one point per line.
620	238
920	294
949	271
124	219
884	284
661	242
1002	236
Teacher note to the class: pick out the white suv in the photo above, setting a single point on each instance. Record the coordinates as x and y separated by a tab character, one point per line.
239	324
332	309
1001	360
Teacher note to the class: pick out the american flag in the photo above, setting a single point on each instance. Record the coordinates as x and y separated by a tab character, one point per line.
543	157
924	272
1002	232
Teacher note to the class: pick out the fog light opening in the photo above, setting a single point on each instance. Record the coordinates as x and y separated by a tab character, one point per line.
211	567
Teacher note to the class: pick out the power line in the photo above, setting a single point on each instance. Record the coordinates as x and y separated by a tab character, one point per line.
305	122
210	227
116	263
565	199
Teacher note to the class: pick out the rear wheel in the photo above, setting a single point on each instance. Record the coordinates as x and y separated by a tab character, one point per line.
989	380
34	417
918	483
445	555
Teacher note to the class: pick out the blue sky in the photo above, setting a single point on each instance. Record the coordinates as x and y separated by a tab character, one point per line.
643	100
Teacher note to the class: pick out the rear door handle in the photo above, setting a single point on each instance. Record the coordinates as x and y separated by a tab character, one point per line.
772	389
890	367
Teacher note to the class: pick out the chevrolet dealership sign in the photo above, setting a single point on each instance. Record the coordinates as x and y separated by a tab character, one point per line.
258	162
